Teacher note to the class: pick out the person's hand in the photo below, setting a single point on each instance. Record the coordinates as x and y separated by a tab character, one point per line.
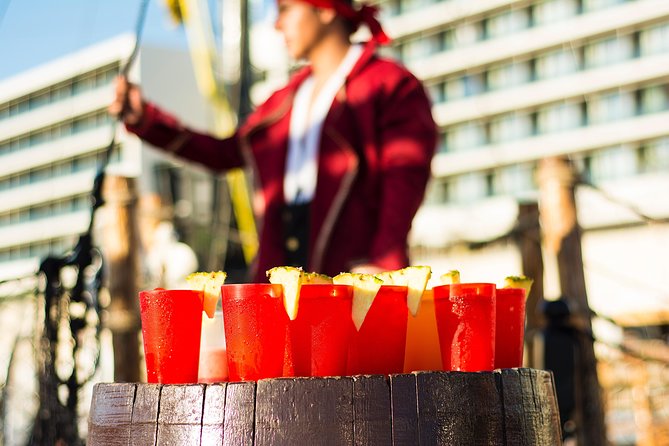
128	104
367	268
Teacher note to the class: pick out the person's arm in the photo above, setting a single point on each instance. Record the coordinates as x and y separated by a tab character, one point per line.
165	132
408	138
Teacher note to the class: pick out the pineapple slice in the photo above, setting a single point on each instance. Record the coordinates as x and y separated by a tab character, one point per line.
521	281
365	287
210	283
450	277
291	278
316	278
414	278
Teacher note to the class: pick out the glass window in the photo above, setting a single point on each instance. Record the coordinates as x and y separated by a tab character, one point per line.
470	187
609	51
509	75
654	156
559	117
611	107
613	162
507	22
654	40
558	63
593	5
549	11
465	34
510	127
466	85
436	92
654	98
516	179
437	191
465	136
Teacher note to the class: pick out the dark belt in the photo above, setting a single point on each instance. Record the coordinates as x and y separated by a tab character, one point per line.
296	234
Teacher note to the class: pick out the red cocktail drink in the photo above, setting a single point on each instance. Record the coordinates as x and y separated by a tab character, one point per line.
510	332
320	334
446	323
255	330
171	325
378	347
466	324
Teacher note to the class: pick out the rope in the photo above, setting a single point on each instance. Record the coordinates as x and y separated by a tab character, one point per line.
56	421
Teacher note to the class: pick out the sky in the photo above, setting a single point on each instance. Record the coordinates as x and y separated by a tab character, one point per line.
33	32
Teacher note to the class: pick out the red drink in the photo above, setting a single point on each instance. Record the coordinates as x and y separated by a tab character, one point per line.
255	330
446	323
510	327
320	335
171	324
378	348
466	323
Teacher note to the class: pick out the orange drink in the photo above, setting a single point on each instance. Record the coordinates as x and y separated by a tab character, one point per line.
422	343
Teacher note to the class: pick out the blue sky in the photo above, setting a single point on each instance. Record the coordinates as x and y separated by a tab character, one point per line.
33	32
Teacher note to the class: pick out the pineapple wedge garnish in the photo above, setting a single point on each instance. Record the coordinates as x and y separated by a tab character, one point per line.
365	287
521	281
415	278
316	278
210	283
450	277
291	278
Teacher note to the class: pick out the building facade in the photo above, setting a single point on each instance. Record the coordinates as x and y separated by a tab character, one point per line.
54	129
516	81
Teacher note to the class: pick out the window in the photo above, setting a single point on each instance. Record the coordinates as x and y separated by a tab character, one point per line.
549	11
509	75
470	187
613	162
507	22
609	51
594	5
436	92
437	191
559	117
654	156
517	179
558	63
654	40
611	107
510	127
465	34
464	86
654	99
465	136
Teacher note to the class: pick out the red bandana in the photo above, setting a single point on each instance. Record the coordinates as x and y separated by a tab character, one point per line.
366	14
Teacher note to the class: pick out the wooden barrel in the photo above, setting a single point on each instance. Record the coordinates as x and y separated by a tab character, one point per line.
504	407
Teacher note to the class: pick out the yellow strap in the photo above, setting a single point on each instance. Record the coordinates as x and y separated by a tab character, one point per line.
196	18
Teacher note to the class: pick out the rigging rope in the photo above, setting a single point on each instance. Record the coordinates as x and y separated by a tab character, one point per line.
72	309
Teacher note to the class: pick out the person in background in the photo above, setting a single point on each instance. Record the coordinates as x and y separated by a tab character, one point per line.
341	155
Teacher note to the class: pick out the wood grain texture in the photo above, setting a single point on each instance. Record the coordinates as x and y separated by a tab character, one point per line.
180	415
459	408
304	411
372	418
145	415
404	410
110	417
213	415
238	429
510	407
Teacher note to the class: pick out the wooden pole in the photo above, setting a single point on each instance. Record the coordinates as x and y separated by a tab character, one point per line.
121	244
528	240
562	236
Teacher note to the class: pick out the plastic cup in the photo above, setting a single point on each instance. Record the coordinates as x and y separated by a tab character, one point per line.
320	334
510	333
378	347
171	326
213	358
255	330
422	343
466	324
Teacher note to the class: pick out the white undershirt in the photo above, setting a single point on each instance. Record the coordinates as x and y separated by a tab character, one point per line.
304	138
